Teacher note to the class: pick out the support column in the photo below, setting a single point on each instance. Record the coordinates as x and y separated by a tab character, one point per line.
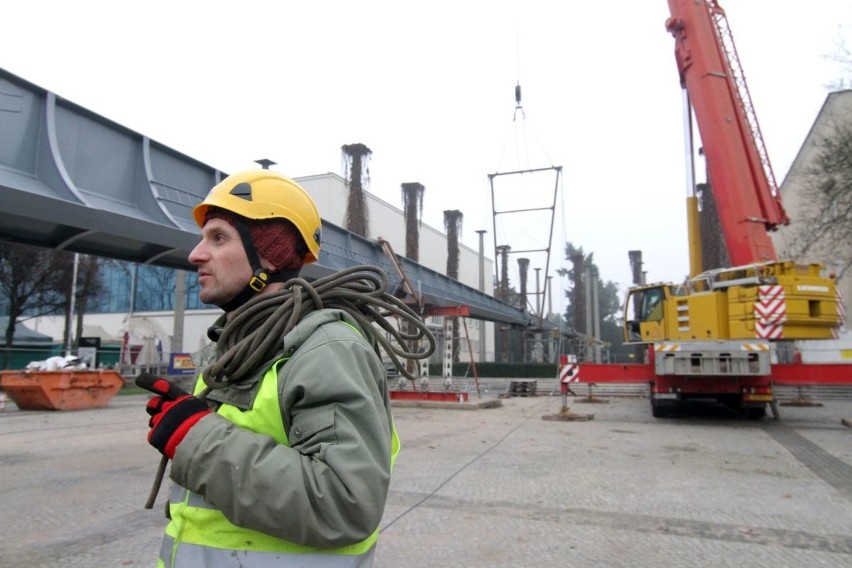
448	347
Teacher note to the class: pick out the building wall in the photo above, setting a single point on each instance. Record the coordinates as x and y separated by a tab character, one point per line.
837	109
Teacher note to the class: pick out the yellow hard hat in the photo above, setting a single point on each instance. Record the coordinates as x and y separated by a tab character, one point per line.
264	194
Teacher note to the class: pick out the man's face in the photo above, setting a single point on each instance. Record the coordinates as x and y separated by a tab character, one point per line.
223	269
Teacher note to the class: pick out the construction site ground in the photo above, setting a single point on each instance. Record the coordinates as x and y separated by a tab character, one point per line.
483	485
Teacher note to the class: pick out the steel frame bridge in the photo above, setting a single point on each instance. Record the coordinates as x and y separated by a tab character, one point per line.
71	179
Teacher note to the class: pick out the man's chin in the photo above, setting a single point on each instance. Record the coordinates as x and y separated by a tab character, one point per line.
209	299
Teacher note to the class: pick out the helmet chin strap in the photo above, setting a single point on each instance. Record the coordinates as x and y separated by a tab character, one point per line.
260	276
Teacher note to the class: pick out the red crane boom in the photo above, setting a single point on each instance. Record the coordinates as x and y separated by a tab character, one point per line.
738	166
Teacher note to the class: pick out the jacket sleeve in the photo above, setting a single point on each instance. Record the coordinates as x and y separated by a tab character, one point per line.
327	489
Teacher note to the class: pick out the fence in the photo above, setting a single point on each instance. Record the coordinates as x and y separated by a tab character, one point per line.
18	357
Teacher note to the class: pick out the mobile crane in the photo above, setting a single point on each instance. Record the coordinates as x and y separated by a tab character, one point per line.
713	335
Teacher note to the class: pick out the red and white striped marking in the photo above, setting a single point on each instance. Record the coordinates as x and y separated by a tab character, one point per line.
770	312
569	374
841	314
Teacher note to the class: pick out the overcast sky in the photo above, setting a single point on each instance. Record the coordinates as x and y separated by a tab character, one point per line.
429	87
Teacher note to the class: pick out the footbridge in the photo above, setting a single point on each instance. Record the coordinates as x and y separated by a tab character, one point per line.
71	179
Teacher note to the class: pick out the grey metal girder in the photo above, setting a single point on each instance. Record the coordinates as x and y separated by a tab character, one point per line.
74	180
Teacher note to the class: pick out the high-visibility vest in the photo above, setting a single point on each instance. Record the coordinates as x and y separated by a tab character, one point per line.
199	535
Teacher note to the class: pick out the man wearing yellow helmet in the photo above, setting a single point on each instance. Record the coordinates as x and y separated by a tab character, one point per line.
285	458
275	220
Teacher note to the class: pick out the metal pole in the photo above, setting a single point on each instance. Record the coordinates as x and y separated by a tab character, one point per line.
590	326
132	292
481	233
596	319
539	305
180	303
69	325
482	324
549	295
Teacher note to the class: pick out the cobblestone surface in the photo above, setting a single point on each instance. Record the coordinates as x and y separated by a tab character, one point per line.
495	487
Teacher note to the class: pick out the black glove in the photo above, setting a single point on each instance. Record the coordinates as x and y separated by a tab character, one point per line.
173	412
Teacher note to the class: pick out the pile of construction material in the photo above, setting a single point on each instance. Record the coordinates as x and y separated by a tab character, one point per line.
522	388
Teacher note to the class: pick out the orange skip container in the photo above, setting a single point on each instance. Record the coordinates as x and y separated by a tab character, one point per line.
61	390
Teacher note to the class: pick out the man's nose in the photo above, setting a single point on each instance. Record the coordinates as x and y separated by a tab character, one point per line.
197	254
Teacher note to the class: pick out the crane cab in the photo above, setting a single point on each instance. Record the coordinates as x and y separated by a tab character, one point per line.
647	312
771	301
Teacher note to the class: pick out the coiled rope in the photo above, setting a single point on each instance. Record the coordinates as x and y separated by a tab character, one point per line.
255	331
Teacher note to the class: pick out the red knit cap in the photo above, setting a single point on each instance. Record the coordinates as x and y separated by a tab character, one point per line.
276	240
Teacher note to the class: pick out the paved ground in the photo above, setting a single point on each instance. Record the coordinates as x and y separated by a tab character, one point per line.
490	487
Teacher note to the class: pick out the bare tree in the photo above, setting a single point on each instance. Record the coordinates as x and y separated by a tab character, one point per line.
356	159
33	281
843	58
155	290
825	223
89	285
609	305
576	314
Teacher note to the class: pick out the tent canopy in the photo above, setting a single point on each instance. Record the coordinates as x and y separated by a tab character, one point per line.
25	336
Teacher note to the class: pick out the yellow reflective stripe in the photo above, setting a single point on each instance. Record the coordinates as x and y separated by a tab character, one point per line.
199	385
205	526
264	417
396	445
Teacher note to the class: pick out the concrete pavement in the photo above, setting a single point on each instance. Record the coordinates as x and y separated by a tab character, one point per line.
495	487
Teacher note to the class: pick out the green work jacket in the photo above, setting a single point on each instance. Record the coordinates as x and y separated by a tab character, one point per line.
294	466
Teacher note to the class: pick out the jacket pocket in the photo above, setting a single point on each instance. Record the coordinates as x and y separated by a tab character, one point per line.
313	428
